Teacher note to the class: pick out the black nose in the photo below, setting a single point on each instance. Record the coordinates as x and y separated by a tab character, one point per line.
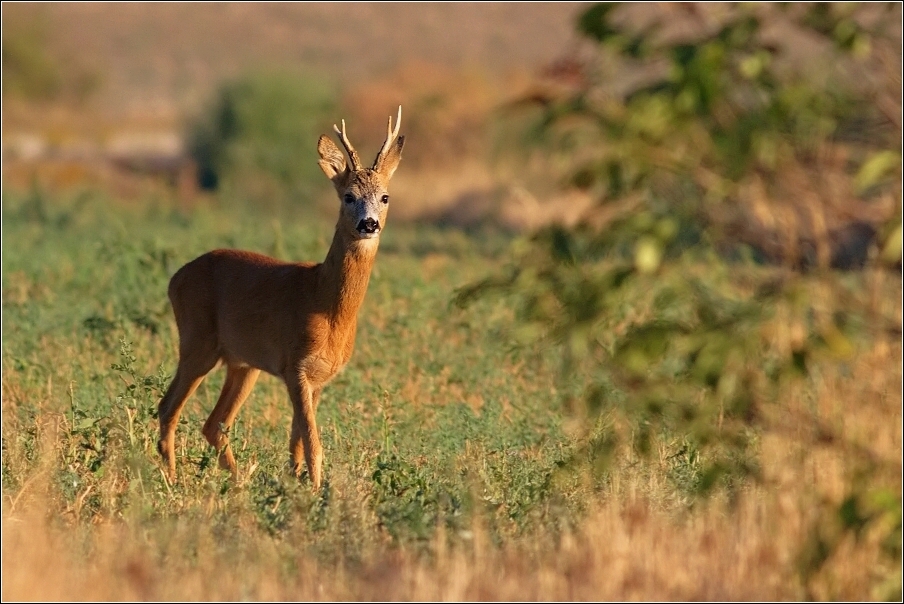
368	225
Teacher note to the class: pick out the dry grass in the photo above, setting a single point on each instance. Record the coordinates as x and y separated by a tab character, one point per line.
624	552
628	547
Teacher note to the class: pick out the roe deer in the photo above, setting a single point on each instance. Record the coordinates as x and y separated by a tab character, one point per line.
296	321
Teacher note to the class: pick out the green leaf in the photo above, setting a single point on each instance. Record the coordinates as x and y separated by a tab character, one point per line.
645	345
594	22
85	423
875	168
647	254
891	251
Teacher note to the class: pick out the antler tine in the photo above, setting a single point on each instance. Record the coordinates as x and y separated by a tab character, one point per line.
391	135
395	133
352	154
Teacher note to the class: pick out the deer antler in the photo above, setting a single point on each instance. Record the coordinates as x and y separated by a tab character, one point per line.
352	154
391	136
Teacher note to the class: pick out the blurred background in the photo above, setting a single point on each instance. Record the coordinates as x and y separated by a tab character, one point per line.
190	100
133	98
187	100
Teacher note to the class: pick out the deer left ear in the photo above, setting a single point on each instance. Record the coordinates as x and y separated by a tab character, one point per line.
387	163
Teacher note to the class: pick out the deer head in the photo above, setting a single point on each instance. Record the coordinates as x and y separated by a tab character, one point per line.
363	192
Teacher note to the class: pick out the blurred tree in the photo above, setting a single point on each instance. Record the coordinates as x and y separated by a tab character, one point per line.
717	135
726	113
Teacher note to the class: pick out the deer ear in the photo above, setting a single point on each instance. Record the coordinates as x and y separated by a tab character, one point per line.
332	161
387	164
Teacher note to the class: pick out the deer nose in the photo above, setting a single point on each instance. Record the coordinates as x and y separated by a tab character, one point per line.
369	226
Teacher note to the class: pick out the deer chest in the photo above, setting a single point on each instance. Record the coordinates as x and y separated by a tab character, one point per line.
323	364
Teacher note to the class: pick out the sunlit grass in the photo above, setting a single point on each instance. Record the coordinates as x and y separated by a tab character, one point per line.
452	463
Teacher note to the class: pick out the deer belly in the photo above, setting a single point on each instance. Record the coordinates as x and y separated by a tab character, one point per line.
262	353
262	362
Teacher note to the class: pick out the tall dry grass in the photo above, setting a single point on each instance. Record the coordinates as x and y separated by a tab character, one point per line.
626	550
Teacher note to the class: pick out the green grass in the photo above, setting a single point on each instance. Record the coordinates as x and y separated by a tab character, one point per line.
435	419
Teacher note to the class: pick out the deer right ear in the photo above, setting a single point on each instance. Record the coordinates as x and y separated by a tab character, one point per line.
332	161
386	164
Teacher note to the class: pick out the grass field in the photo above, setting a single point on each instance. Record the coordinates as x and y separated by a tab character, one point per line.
451	465
541	443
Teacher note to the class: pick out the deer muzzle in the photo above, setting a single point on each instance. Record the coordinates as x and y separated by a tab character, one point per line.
368	226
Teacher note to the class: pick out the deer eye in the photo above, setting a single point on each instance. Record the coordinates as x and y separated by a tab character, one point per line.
349	198
385	199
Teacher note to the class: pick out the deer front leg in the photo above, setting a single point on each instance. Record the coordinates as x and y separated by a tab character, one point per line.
305	440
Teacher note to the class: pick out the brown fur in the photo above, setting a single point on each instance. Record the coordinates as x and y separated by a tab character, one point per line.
296	321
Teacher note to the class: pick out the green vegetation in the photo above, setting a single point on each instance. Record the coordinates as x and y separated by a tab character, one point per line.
258	137
443	421
27	70
425	423
677	333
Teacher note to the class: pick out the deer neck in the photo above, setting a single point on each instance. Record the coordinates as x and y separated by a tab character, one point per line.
345	274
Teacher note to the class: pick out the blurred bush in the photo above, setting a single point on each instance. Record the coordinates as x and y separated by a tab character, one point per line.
257	138
719	148
775	127
27	68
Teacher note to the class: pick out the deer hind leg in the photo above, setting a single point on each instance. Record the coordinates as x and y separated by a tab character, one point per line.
239	382
305	441
193	366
